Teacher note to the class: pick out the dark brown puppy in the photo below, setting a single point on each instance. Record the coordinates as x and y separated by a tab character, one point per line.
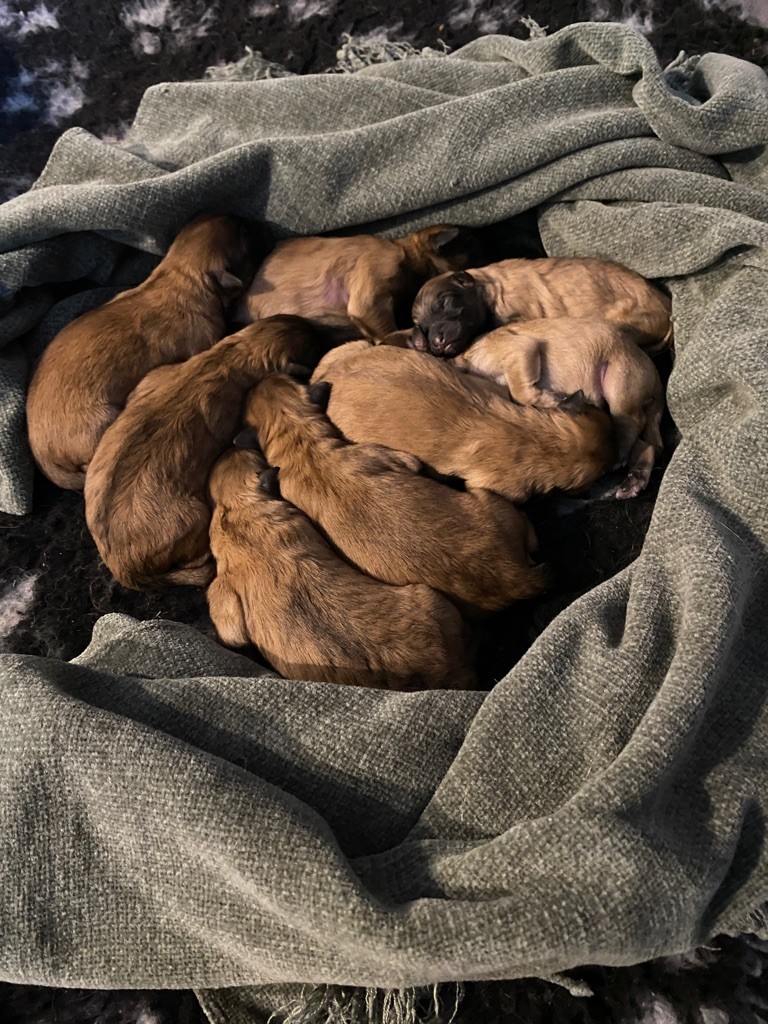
368	278
280	587
390	522
462	425
541	361
452	310
145	492
91	366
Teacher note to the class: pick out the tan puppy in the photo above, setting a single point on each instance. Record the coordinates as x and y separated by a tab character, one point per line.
461	425
280	586
145	493
90	367
366	277
386	519
452	310
542	361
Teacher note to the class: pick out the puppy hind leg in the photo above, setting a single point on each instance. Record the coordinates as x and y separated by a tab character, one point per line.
374	309
227	615
644	453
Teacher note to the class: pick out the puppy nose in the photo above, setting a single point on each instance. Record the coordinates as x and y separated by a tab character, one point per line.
438	340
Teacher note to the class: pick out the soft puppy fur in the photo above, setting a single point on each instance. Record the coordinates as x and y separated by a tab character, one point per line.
461	425
451	310
90	367
542	361
146	499
384	517
280	587
371	279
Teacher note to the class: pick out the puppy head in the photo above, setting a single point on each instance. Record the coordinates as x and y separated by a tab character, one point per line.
278	401
441	248
235	475
448	314
226	251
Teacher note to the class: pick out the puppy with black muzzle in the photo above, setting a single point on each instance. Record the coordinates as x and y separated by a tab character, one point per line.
146	501
542	361
370	279
91	366
281	587
463	426
453	309
383	516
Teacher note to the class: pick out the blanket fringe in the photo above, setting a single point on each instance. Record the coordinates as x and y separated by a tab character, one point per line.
358	52
251	66
333	1004
535	30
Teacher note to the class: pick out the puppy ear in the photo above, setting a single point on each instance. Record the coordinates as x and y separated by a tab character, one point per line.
298	372
442	238
463	279
320	394
247	439
574	403
229	282
269	481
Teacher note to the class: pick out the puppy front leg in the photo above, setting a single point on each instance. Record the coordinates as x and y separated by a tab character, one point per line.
522	368
375	308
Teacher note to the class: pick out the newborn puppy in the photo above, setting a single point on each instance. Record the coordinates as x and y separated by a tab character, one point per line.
391	523
451	310
461	425
145	492
370	279
280	586
541	361
90	367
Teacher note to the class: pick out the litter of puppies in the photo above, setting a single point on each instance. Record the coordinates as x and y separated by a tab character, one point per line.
345	472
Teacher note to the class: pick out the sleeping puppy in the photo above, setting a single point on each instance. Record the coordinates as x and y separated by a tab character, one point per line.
370	279
386	519
541	361
463	426
146	501
452	310
280	587
90	367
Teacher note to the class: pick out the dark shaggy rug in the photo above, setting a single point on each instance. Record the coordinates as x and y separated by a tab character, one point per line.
81	63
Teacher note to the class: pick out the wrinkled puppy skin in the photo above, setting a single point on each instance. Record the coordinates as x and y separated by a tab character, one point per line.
370	279
91	366
542	361
386	518
145	493
462	426
453	309
280	587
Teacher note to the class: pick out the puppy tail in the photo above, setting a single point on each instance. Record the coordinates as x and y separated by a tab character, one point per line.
198	575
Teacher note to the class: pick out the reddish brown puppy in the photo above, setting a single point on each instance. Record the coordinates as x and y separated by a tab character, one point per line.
453	309
280	587
461	425
146	500
385	518
366	277
90	367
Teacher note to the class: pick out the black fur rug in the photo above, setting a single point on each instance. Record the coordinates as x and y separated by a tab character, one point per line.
76	62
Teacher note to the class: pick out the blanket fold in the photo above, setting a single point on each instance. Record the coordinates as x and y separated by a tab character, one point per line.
172	815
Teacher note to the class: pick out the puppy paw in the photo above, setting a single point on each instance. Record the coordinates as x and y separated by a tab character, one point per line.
631	486
550	399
